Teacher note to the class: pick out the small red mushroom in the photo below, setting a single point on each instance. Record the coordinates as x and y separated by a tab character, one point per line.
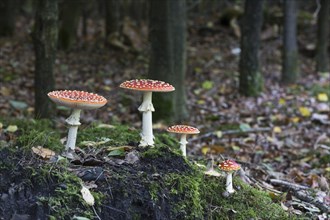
183	130
147	86
76	100
229	166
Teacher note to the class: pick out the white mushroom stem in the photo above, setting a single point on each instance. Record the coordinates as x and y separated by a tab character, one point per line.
229	183
73	122
147	137
183	142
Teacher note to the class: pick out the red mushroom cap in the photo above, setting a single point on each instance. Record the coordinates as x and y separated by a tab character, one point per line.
229	165
77	99
183	129
147	85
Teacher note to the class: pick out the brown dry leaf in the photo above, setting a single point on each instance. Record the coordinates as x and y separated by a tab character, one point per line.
323	183
216	149
44	153
126	148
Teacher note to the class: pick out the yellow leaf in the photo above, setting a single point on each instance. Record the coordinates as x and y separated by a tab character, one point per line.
12	128
282	101
304	111
295	119
44	153
277	129
327	169
205	150
322	97
218	134
87	196
1	125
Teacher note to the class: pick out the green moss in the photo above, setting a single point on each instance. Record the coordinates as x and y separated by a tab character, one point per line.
32	133
162	183
184	196
119	135
66	200
195	196
245	203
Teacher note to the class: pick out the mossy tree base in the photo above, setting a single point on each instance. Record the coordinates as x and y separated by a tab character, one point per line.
161	184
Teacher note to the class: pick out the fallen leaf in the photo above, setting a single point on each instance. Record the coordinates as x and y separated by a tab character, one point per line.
323	107
285	208
277	129
282	101
94	143
244	127
105	126
323	119
12	128
212	172
207	85
118	152
216	149
322	97
323	183
18	105
295	119
305	112
80	218
87	196
205	150
44	153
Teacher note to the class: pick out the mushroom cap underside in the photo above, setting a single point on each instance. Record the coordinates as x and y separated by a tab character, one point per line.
147	85
183	129
77	99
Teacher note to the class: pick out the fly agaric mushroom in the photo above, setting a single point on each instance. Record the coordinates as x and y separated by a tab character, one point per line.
229	166
147	86
183	130
76	100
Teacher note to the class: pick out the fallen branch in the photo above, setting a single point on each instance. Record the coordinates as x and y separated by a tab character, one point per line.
302	193
287	184
230	132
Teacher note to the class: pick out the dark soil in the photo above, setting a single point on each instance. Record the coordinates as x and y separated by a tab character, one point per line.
125	187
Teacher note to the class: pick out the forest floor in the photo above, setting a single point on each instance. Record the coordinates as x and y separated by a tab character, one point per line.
283	134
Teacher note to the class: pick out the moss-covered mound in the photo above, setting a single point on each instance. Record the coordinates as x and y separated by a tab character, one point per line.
127	182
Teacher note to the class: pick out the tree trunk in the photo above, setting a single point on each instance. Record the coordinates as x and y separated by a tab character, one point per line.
322	55
69	16
250	79
45	42
290	50
8	9
168	56
111	17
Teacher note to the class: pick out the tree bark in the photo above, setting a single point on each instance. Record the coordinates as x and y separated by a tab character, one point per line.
168	57
69	16
250	78
290	72
322	55
111	16
8	9
45	42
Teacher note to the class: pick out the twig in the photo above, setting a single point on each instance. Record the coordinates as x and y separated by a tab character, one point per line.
230	132
301	193
287	184
193	5
318	7
98	217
